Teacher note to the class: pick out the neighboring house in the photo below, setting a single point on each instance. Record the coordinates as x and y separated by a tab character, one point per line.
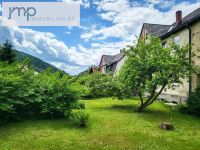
111	63
93	69
119	65
153	29
184	31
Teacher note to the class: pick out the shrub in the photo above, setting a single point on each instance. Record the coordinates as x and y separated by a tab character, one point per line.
26	95
54	94
193	103
99	85
80	118
78	105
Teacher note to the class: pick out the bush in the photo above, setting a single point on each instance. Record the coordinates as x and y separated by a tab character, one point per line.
80	118
98	85
78	105
54	94
193	103
27	95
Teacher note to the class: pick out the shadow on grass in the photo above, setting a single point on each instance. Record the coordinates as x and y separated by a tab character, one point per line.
123	108
149	113
118	108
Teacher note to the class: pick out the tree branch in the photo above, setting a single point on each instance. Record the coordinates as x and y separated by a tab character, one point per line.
141	99
158	94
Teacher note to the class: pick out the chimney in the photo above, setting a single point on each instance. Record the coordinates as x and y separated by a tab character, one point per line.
178	17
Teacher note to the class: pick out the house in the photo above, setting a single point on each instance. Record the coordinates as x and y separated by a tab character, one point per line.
184	31
93	69
111	63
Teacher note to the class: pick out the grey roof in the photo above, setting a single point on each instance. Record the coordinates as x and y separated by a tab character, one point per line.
111	59
117	57
156	29
190	18
165	30
108	59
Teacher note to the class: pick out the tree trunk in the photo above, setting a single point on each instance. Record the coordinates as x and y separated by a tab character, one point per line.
142	107
150	100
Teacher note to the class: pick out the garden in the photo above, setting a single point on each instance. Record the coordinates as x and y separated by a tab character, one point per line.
53	110
113	125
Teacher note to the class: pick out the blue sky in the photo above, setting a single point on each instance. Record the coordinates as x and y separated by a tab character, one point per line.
106	27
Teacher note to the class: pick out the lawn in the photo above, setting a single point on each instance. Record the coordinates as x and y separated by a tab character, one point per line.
113	125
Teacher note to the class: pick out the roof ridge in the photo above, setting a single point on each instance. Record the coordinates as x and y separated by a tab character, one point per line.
187	15
192	16
107	55
157	24
190	13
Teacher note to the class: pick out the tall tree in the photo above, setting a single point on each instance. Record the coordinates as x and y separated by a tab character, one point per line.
150	68
6	52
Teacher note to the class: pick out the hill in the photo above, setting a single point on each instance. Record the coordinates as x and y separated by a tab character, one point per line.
35	62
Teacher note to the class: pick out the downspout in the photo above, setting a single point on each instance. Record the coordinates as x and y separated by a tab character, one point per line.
190	57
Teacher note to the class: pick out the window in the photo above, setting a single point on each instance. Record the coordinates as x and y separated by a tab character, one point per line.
109	69
146	35
164	44
176	40
104	69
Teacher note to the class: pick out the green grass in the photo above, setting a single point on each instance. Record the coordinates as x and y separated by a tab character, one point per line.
113	125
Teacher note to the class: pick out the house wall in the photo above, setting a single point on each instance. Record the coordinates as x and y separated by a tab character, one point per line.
143	34
119	65
102	66
195	49
113	68
180	92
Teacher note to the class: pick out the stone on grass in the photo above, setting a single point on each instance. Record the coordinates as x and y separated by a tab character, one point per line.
167	126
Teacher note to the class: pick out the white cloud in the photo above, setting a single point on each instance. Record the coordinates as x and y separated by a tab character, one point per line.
113	5
161	3
167	4
83	27
154	2
68	33
74	70
45	46
127	19
84	3
108	16
0	7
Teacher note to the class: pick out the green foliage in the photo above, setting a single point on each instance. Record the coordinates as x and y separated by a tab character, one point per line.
27	94
149	68
113	126
6	53
193	103
80	118
78	105
98	85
